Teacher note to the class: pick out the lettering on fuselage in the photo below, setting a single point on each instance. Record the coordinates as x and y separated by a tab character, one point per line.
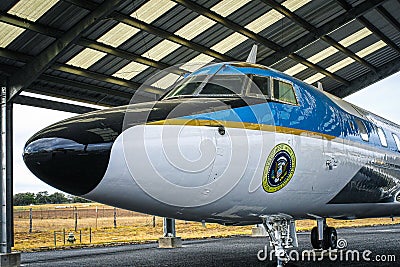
279	168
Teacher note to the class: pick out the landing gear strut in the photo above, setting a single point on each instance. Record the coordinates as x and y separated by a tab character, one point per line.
323	236
281	231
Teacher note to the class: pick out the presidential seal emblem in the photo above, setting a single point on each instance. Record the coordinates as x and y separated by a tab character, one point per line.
279	168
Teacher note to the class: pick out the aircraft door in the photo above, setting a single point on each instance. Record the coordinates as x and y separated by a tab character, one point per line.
333	153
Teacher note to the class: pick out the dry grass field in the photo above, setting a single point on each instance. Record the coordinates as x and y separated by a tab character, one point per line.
131	227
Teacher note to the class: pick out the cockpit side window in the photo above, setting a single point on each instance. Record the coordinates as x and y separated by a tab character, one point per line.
362	130
260	86
382	137
187	86
224	85
397	141
283	91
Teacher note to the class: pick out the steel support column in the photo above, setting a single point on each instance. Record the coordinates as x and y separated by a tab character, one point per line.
169	227
6	231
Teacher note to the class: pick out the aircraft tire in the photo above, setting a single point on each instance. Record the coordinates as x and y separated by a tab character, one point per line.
316	244
330	238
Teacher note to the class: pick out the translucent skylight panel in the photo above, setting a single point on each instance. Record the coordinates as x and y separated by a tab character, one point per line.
322	55
161	50
27	9
130	70
118	35
370	49
86	58
8	33
293	5
31	9
264	21
347	61
355	37
230	42
166	81
227	7
295	69
195	27
314	78
152	10
340	65
197	62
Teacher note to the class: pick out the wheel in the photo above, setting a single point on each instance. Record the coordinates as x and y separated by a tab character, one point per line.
330	238
316	244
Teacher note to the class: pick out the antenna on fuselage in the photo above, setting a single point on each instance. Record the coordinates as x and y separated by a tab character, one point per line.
253	54
320	87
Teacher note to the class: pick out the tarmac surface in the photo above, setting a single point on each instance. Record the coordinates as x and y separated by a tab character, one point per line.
382	242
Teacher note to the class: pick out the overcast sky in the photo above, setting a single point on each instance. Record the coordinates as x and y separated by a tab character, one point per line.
381	98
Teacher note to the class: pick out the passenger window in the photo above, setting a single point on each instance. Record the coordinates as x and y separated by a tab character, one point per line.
260	85
362	130
283	91
382	137
396	139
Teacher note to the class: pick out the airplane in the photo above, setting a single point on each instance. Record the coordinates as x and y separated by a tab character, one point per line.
235	143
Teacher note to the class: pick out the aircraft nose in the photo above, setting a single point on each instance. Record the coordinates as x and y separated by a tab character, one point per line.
66	164
73	155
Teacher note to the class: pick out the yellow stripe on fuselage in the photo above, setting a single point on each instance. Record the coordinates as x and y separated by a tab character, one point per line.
243	125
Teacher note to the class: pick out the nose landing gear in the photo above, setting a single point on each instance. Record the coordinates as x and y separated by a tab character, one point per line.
281	231
323	236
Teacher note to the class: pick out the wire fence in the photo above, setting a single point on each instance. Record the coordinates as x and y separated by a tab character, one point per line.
69	213
44	219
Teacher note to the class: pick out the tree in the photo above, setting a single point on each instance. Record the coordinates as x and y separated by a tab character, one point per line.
24	199
58	198
43	198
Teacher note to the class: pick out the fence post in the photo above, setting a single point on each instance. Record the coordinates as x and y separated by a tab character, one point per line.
97	215
55	239
76	219
90	235
115	217
64	236
80	236
30	220
154	221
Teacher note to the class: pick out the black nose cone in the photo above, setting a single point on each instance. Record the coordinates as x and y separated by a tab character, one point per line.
66	164
73	155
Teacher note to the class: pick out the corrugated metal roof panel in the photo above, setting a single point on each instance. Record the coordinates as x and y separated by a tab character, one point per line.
321	12
30	43
383	25
63	16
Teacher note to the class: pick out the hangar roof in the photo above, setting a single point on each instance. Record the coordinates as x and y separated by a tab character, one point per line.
102	51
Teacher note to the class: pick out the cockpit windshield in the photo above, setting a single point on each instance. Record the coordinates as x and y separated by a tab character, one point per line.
226	81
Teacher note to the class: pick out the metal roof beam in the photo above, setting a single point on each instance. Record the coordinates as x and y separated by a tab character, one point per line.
45	30
228	23
256	37
331	75
48	104
370	26
154	30
328	27
389	17
84	86
24	58
368	78
309	27
73	95
23	78
379	33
